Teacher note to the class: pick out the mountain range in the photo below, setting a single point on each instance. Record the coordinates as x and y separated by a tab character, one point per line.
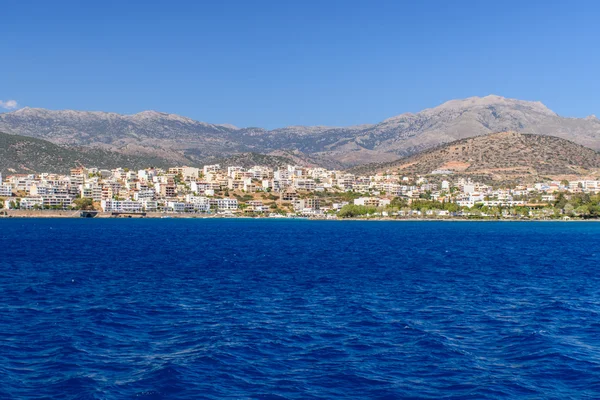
181	140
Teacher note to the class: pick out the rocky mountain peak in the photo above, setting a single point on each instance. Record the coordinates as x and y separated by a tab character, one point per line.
181	138
492	101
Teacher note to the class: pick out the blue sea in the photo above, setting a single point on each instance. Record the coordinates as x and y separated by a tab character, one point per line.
284	309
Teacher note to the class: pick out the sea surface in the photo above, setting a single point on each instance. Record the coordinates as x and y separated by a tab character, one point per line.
280	309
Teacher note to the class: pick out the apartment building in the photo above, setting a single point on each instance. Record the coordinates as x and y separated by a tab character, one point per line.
224	204
124	206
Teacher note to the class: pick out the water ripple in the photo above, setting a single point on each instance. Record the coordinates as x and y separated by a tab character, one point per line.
204	309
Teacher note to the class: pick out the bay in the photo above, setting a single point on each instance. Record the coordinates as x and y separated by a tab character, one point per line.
280	309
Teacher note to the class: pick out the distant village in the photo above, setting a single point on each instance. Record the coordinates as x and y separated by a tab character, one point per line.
293	191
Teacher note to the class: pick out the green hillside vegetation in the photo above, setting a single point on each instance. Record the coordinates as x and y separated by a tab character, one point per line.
20	154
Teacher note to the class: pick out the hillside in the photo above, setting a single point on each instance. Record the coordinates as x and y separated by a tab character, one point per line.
20	154
185	141
248	160
505	155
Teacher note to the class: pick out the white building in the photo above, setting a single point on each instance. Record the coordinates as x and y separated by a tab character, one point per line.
371	202
91	191
305	184
199	203
147	194
149	205
211	169
186	172
260	172
233	171
125	206
58	201
179	207
5	190
224	204
29	203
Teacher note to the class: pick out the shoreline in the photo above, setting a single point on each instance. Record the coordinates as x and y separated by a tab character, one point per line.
49	214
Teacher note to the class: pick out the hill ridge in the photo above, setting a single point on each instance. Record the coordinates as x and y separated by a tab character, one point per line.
503	154
21	154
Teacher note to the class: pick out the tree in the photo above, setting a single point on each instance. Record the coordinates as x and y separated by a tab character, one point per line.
351	210
398	202
424	205
580	199
495	211
178	178
84	203
583	211
569	209
475	211
426	195
451	207
522	211
560	201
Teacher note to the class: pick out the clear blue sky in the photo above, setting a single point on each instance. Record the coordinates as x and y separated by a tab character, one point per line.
277	63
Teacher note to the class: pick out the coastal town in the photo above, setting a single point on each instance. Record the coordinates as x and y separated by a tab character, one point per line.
290	191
